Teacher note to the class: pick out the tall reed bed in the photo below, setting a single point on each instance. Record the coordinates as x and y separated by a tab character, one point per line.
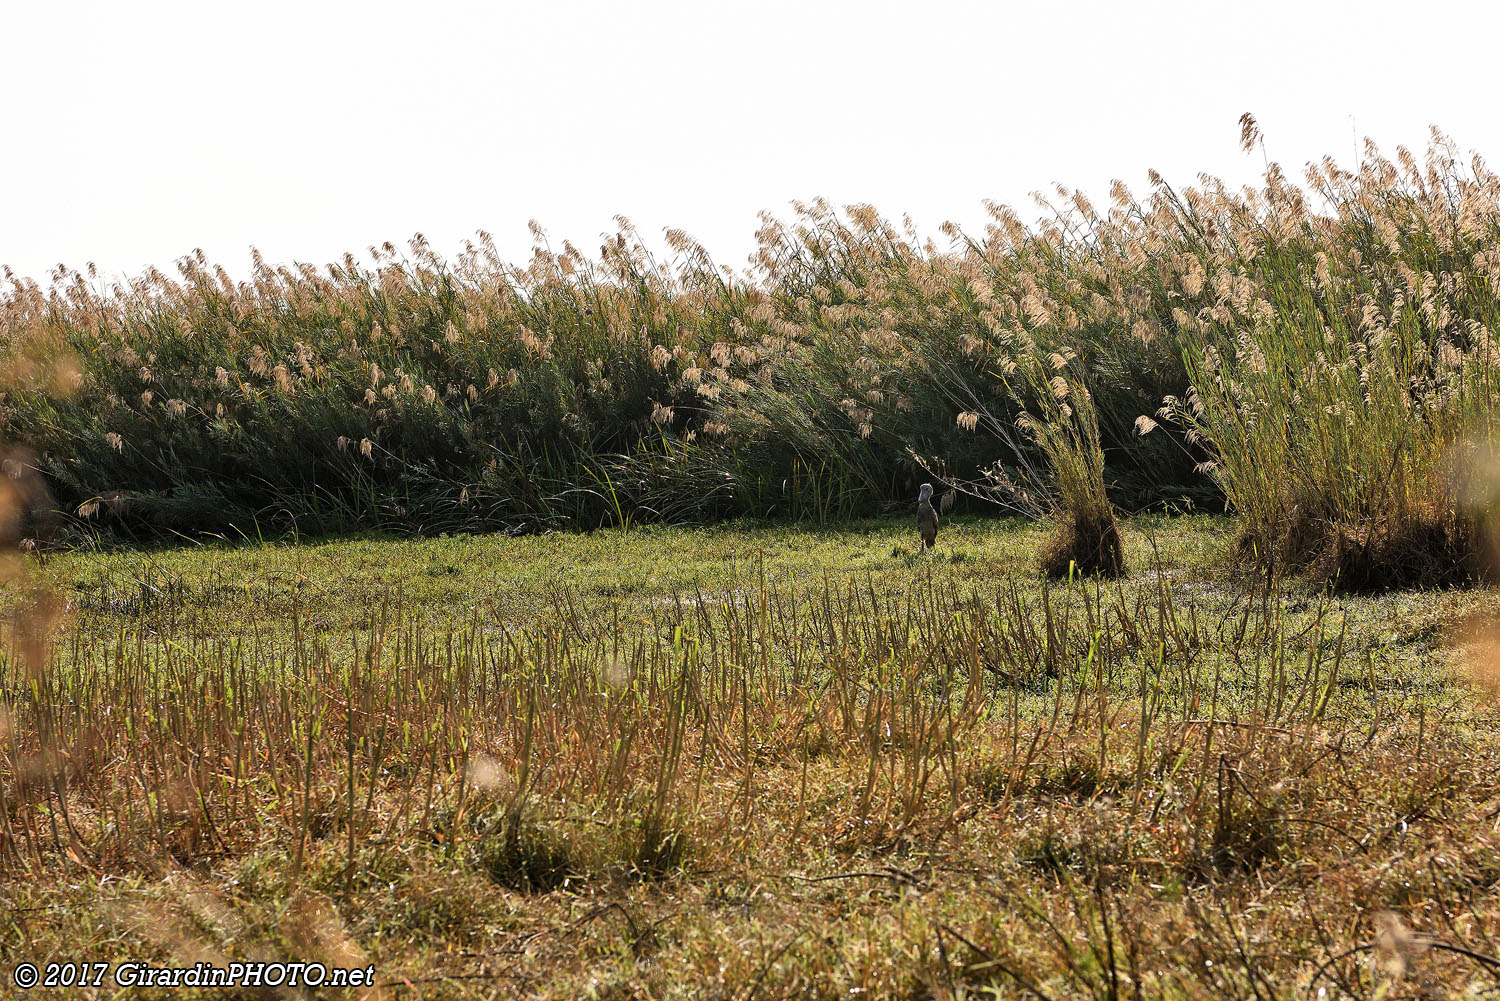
1313	355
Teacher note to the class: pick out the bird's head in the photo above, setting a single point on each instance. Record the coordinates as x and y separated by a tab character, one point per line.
925	493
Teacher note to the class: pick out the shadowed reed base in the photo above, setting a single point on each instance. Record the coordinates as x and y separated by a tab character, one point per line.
1392	552
1084	544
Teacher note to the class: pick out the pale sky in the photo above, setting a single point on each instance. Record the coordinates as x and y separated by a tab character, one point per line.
135	132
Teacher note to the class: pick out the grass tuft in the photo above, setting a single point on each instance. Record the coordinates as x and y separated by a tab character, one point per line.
1083	543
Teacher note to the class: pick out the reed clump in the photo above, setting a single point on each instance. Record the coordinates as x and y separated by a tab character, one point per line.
1350	368
1085	538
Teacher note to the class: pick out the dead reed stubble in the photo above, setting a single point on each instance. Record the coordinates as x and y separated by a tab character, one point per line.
728	770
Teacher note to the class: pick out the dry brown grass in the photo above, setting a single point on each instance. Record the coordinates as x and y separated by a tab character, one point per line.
1093	791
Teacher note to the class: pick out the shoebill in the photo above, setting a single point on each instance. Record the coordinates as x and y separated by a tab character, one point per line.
927	517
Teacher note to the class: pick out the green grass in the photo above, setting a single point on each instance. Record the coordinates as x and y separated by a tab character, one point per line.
336	582
748	762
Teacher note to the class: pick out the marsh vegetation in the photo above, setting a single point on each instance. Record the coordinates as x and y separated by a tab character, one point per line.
1320	358
752	761
547	630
